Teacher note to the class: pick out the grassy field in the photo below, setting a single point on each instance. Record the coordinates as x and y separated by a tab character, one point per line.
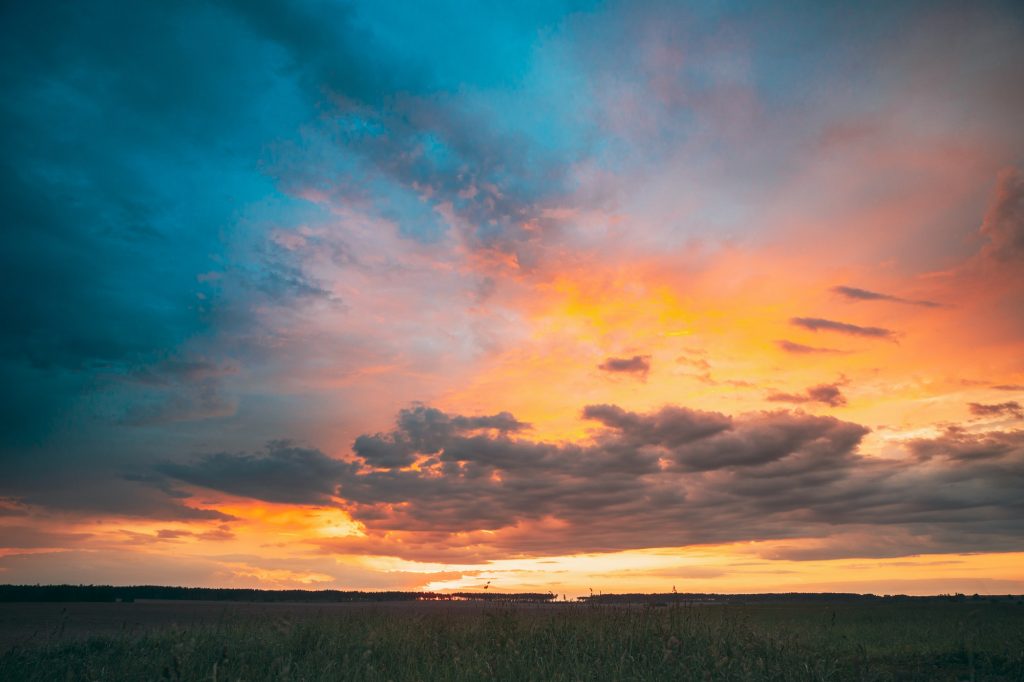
931	641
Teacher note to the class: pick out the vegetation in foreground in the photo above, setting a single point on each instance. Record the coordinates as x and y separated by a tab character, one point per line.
932	641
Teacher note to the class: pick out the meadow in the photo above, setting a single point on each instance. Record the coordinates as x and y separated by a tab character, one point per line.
928	641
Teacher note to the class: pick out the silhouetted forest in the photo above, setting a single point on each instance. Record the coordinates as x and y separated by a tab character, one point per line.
129	593
111	593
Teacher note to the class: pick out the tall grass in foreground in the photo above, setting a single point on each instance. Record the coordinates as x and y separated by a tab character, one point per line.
559	642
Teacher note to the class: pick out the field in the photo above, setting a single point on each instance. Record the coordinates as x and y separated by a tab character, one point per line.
466	641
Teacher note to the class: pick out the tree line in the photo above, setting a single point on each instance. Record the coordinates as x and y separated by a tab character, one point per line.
129	593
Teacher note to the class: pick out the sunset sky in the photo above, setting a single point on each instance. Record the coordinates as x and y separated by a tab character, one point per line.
624	296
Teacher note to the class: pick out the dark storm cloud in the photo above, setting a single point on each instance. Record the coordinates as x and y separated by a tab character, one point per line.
801	349
671	477
639	365
828	394
1008	409
282	473
855	294
816	324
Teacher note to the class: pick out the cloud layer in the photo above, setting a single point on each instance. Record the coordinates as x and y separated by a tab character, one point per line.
673	477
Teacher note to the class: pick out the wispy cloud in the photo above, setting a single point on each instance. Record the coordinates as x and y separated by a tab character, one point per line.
818	324
828	394
801	349
856	294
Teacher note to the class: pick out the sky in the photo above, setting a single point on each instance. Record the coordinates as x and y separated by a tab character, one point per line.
555	296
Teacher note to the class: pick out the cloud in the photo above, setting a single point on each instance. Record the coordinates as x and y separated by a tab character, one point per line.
101	231
801	349
1009	409
670	426
1003	225
681	476
172	534
425	430
428	164
816	323
694	359
103	493
855	294
28	537
638	365
220	534
177	389
829	394
11	507
854	542
672	477
283	473
204	400
959	445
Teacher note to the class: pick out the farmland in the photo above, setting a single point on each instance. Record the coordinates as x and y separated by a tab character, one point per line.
177	640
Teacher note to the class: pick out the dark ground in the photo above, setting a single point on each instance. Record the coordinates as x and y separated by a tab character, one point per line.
54	623
925	641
